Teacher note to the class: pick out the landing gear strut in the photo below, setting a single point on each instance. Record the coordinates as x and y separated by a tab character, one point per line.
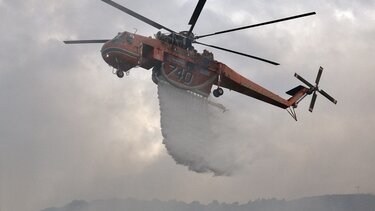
155	74
218	92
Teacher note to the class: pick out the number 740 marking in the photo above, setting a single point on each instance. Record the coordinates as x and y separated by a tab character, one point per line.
183	75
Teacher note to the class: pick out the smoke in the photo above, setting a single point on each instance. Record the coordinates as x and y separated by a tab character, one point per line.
198	134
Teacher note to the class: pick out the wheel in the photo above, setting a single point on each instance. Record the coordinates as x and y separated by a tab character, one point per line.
155	74
220	91
216	93
120	73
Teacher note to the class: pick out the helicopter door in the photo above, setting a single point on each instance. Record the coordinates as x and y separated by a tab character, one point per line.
146	59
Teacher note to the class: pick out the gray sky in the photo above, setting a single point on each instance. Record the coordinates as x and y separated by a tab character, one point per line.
69	129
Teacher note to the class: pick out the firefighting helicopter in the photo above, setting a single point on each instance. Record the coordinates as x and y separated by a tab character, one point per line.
173	59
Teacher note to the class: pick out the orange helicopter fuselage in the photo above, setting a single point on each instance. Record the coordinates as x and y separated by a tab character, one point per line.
184	68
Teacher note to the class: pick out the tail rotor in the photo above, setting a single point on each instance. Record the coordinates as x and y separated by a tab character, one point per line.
314	89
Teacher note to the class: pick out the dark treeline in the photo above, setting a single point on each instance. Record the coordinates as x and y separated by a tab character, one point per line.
349	202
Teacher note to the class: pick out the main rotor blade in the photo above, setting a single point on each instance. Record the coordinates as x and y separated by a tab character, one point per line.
84	41
303	80
256	25
312	103
328	96
239	53
196	13
319	75
136	15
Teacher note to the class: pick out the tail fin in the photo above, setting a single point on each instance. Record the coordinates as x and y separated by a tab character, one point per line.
297	93
295	90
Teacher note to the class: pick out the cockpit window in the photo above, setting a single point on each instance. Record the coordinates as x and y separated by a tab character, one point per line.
121	37
117	36
124	37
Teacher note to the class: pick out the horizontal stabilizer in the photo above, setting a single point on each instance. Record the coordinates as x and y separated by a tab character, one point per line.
295	90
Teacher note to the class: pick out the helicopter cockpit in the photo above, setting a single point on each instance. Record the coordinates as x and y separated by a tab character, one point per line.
122	37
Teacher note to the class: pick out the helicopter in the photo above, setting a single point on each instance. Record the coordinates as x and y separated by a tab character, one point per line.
174	60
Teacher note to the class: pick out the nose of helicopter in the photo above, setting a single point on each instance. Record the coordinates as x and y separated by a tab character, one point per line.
106	54
119	55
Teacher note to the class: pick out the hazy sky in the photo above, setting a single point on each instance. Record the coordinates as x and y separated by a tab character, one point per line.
69	129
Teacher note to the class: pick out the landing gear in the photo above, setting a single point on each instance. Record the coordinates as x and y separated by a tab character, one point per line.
218	92
155	74
120	73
